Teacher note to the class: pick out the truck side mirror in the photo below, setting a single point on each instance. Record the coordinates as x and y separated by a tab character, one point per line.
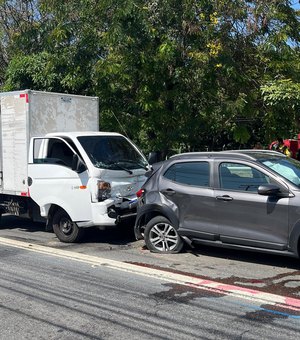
77	164
153	157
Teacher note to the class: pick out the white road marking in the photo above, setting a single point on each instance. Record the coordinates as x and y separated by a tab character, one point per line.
95	261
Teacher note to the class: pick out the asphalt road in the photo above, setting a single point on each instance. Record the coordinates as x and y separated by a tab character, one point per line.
48	297
43	296
269	273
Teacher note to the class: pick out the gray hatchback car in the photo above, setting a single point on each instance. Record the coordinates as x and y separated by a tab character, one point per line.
246	199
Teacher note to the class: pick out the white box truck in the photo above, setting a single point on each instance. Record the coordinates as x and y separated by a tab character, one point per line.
56	166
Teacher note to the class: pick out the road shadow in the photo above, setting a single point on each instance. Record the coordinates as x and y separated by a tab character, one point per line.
118	235
246	256
11	222
123	235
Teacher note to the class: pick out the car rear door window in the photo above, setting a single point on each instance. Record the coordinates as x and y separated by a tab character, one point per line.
241	177
190	173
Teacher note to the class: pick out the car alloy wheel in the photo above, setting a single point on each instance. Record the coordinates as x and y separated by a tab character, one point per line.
162	237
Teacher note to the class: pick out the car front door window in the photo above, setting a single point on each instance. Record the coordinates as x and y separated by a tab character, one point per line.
235	176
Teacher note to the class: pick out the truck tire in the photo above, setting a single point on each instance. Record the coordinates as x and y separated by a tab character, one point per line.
65	229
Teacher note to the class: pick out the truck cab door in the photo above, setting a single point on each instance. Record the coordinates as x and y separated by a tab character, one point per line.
51	179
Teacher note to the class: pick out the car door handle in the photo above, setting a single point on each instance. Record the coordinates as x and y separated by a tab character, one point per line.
224	198
168	192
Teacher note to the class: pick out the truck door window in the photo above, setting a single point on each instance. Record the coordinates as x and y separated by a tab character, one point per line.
53	151
59	150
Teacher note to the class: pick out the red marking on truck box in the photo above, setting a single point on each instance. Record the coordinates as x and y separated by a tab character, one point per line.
24	95
25	193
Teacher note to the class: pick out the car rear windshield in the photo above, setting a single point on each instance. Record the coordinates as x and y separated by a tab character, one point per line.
112	152
288	168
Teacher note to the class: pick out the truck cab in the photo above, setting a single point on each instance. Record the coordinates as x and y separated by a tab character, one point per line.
84	179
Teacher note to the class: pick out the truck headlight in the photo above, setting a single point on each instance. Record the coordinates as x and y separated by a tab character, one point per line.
104	189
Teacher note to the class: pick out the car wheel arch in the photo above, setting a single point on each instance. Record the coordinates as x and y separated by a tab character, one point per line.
149	211
294	239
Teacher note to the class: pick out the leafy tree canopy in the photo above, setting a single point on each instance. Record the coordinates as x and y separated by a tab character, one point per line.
173	75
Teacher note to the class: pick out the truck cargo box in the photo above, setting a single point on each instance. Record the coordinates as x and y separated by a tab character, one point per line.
26	114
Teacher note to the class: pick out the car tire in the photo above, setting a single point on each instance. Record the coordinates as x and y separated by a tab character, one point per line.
65	229
161	236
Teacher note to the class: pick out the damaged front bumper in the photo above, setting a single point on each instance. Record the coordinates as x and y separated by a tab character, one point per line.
123	211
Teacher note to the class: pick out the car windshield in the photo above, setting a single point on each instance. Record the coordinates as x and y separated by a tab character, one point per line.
288	168
112	152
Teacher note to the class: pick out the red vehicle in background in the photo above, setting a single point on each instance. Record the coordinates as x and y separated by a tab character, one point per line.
292	144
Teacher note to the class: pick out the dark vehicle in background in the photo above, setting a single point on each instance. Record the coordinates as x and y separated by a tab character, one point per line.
246	199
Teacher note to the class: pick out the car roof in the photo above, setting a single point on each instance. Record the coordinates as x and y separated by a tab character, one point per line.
251	154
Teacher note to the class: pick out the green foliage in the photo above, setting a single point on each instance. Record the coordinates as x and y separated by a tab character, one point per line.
282	92
183	75
241	134
28	72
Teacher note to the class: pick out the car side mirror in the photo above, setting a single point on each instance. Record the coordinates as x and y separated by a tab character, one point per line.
269	190
78	165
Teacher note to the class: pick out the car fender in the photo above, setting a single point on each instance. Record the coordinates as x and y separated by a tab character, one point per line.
294	239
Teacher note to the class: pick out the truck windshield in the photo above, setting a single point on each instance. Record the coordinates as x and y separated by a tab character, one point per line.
112	152
288	168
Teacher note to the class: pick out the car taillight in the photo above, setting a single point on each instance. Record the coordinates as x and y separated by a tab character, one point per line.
104	189
140	193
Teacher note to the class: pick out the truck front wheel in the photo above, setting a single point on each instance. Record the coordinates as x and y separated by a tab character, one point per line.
65	229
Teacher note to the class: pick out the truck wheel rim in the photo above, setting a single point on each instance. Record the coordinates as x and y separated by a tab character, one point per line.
163	237
66	226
